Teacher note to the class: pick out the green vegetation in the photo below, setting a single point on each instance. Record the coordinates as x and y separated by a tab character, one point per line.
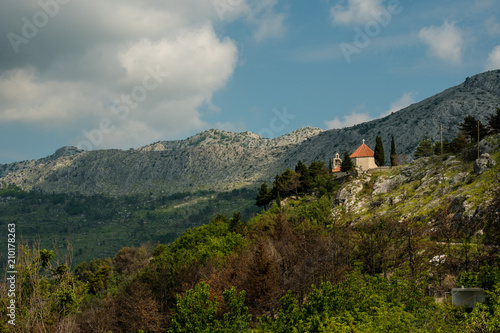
306	266
394	155
471	128
381	260
230	276
314	180
379	152
347	164
494	123
464	143
424	148
98	226
265	196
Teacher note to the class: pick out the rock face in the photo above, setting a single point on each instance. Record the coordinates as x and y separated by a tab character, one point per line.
347	196
222	160
490	144
383	185
483	163
212	159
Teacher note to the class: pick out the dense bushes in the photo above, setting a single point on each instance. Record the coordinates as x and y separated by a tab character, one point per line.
295	267
316	180
359	303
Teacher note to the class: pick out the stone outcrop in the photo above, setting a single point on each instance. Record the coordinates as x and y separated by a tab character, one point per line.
483	163
347	196
383	185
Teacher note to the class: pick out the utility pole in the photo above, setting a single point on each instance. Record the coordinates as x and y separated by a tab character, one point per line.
478	139
441	138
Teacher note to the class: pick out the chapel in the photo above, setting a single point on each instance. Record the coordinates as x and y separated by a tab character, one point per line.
364	158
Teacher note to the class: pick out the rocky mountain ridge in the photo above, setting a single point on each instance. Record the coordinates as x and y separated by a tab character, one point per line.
221	160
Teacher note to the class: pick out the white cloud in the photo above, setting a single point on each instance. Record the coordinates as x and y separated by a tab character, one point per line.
270	26
91	65
352	119
237	127
196	61
493	59
268	23
358	116
405	100
445	42
126	134
493	26
50	103
355	11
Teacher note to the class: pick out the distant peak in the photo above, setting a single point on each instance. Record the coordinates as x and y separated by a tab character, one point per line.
251	135
489	81
66	151
305	131
298	136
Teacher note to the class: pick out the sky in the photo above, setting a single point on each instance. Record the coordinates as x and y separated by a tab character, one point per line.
126	73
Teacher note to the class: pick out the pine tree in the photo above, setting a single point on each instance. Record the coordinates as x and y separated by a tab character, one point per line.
301	168
264	197
347	164
287	183
394	155
494	122
459	143
469	128
305	178
379	152
424	148
316	169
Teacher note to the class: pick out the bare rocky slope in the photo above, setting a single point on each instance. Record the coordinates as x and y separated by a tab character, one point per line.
222	160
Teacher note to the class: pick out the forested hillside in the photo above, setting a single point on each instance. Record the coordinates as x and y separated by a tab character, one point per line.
374	253
98	226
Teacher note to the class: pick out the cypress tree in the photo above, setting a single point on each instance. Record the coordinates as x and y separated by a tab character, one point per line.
379	152
394	155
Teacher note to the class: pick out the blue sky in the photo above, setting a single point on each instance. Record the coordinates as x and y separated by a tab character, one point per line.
125	73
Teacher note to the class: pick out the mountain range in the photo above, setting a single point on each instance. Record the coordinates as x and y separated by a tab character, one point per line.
222	161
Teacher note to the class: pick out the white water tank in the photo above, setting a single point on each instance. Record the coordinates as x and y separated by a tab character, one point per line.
468	297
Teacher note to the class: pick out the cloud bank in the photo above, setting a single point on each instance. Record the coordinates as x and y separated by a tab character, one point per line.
148	69
444	42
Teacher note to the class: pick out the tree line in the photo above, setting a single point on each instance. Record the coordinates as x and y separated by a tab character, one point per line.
470	131
313	179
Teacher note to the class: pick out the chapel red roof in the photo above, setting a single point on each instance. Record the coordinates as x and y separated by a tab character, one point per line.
363	151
